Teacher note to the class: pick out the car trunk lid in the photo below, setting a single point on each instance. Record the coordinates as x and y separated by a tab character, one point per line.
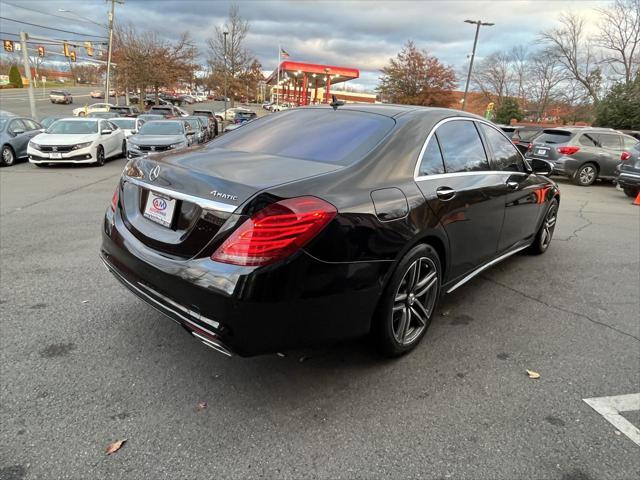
203	188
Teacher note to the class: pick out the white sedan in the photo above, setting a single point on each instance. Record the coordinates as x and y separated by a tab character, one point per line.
77	140
87	109
129	125
231	113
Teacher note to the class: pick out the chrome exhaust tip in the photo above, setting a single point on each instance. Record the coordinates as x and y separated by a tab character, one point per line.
214	344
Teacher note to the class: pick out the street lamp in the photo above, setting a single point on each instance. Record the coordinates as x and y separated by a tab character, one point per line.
478	24
101	25
225	74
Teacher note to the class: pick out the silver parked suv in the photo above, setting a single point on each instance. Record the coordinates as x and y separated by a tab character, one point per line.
583	154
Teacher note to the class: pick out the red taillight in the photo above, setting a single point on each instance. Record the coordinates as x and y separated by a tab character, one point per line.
530	146
625	156
568	150
275	232
114	199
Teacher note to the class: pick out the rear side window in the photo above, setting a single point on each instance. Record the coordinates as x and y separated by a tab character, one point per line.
553	136
588	140
322	135
609	140
17	125
505	155
461	146
630	142
432	162
526	134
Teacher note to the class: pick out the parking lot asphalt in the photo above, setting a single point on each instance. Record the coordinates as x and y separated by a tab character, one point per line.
84	363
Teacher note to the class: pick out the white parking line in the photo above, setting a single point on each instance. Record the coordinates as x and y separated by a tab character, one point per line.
610	408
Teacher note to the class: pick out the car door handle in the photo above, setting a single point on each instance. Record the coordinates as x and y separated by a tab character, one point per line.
445	193
512	185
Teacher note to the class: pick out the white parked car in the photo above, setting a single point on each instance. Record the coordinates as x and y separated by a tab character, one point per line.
77	140
231	113
129	125
280	107
201	97
87	109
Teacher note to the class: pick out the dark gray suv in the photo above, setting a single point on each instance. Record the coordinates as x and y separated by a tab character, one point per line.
583	154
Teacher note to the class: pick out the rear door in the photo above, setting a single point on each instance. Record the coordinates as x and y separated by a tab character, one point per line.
523	191
610	151
456	180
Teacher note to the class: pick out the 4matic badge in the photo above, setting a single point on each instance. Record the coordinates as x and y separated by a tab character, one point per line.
223	196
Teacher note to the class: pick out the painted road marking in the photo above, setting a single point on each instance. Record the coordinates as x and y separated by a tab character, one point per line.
610	408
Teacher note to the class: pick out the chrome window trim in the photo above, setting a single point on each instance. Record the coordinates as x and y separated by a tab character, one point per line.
417	177
204	203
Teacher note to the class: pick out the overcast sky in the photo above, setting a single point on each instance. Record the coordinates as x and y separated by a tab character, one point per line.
360	34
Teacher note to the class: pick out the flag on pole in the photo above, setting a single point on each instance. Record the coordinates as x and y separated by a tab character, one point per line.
283	53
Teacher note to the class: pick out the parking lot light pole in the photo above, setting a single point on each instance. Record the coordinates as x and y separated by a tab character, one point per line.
478	24
225	74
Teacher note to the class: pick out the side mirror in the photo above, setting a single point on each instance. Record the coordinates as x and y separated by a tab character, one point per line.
107	132
540	167
18	132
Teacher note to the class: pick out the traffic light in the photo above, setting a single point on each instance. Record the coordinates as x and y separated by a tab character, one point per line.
41	51
8	45
89	48
65	49
72	56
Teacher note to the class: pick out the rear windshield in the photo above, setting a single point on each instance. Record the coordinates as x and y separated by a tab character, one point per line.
245	114
526	135
203	113
161	128
321	135
554	136
73	127
126	123
57	92
194	122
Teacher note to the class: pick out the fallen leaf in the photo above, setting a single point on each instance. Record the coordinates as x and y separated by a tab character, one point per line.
445	313
533	374
280	354
115	446
201	406
85	301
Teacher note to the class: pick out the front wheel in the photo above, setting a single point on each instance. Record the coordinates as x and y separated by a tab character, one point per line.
408	302
585	175
99	156
7	157
545	234
124	149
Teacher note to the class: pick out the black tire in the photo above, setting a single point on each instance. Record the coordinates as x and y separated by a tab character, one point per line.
545	233
7	156
124	149
631	192
99	156
402	299
585	175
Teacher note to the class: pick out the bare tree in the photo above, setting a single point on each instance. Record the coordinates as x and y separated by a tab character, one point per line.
520	61
493	76
544	75
568	43
236	59
619	37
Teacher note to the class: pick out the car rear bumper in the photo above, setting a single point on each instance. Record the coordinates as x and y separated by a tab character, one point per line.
628	180
247	310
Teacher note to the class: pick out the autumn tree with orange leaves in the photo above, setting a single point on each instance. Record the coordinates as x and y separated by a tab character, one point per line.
414	77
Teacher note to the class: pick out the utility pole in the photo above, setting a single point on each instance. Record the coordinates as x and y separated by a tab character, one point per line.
478	23
225	33
111	15
27	72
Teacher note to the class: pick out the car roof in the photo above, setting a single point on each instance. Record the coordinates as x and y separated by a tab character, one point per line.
82	119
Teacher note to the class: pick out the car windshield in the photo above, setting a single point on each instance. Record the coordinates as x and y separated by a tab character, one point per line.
47	121
73	127
323	135
161	128
245	114
553	136
195	123
126	123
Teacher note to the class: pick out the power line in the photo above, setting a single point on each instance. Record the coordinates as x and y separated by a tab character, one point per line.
55	41
50	28
44	13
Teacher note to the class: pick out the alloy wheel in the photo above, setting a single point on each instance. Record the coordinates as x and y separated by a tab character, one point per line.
587	175
7	156
548	226
414	301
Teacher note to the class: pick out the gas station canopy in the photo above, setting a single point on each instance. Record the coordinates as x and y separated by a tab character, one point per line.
297	79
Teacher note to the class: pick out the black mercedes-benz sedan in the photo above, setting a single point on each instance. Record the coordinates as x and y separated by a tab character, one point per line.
322	223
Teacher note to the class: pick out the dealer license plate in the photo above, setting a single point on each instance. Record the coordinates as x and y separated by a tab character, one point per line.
160	209
55	155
